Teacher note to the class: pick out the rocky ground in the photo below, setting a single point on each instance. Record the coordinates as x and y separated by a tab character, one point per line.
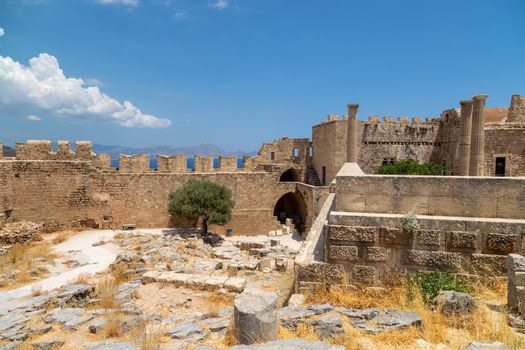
169	289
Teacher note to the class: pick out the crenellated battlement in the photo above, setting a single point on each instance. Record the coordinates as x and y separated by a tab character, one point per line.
282	151
43	150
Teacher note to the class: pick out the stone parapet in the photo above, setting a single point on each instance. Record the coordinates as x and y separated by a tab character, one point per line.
374	247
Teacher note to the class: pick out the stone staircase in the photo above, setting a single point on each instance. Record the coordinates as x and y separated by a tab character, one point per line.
311	175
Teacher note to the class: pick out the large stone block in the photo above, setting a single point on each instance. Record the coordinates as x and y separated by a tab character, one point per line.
343	252
362	274
433	258
429	237
502	243
394	276
352	233
462	240
489	264
378	254
394	236
255	317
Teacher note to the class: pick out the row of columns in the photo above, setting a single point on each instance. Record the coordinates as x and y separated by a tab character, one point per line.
471	143
472	137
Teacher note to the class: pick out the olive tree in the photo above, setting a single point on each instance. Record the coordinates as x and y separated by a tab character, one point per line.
209	201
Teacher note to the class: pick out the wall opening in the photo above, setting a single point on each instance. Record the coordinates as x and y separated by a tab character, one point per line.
290	175
296	152
292	206
272	155
323	180
500	166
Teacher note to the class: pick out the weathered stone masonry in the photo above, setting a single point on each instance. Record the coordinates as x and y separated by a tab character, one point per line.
466	225
69	188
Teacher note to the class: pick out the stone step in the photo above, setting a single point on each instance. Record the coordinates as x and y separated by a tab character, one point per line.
195	281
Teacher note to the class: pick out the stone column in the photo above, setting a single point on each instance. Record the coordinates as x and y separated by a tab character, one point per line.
351	140
477	142
465	135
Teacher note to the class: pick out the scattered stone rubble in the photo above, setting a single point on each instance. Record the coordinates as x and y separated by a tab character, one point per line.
17	232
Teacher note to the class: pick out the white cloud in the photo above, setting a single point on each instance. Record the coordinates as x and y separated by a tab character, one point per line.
2	32
121	2
220	4
33	118
179	15
42	86
93	82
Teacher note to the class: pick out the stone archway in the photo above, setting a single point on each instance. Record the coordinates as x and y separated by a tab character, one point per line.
292	206
290	175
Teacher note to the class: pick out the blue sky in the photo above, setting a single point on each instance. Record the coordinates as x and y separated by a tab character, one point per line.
237	73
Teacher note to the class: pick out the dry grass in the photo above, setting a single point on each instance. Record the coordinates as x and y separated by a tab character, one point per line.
113	324
106	290
146	335
20	259
61	236
116	272
82	278
215	301
455	331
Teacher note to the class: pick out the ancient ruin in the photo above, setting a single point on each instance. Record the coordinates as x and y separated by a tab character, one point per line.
325	218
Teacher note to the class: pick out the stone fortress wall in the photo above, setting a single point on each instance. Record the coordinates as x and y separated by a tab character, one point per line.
465	225
436	140
80	189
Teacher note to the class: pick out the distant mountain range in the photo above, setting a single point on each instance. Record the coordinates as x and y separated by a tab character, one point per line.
203	149
8	152
115	151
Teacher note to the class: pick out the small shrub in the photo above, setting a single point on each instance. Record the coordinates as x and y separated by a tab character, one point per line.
409	223
431	283
411	167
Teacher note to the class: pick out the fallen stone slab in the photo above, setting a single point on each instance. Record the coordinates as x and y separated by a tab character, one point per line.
186	330
376	320
487	345
195	281
76	322
63	315
97	326
235	284
217	324
290	317
111	346
48	344
12	320
328	326
290	344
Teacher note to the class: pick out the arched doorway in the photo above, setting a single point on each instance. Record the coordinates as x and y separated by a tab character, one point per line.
292	206
290	175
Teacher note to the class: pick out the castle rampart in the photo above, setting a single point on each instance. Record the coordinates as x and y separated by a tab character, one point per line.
66	188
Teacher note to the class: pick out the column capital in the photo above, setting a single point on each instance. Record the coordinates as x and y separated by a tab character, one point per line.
465	102
480	97
352	105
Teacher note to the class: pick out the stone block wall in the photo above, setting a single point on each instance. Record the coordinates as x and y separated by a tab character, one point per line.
488	197
203	164
134	164
505	140
516	289
172	164
374	249
76	193
228	164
